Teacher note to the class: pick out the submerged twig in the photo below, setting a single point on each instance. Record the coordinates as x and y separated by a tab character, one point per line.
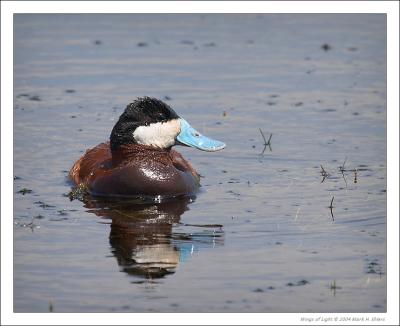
355	175
297	214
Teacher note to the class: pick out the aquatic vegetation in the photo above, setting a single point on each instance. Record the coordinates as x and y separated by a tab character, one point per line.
79	192
24	191
298	283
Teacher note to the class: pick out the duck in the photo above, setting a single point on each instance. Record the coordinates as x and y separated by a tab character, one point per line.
138	160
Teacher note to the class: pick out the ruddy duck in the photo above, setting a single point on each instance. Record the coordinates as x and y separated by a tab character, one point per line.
139	159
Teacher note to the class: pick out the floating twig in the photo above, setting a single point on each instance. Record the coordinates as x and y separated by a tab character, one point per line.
331	208
215	226
31	224
324	174
344	178
25	191
269	140
342	171
334	287
266	143
341	168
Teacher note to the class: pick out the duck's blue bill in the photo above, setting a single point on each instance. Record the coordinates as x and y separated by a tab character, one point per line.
191	137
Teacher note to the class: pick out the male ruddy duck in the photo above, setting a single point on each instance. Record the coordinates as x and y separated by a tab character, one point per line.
139	159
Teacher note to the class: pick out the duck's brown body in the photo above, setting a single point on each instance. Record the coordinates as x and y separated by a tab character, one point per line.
134	170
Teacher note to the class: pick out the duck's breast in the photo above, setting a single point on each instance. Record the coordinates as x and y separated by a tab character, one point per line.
150	178
152	174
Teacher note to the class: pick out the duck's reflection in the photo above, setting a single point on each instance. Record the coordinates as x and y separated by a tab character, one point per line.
148	240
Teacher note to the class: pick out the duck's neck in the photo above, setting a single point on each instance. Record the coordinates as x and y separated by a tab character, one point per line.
136	151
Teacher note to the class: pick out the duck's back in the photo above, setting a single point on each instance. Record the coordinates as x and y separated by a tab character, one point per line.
135	170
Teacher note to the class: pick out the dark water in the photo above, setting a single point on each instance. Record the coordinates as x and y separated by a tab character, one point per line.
260	236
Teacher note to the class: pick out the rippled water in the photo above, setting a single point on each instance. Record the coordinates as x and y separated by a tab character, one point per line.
263	234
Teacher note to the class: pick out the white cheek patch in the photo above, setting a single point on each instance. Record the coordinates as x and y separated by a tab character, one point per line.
160	134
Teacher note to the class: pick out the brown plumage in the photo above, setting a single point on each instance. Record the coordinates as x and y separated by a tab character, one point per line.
134	170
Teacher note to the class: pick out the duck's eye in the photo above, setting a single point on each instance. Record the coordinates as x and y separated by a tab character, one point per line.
196	134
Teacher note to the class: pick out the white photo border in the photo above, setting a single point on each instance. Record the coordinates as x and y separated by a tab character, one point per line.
8	8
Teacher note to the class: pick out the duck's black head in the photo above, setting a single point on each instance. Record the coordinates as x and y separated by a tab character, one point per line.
143	121
149	121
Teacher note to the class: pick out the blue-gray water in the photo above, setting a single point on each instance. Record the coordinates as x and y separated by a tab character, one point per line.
260	236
